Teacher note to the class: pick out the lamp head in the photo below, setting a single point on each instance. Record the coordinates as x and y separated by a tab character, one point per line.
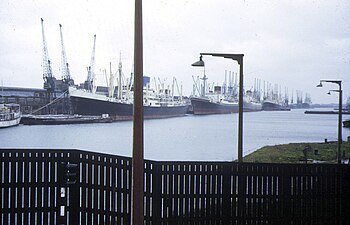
329	93
199	63
319	85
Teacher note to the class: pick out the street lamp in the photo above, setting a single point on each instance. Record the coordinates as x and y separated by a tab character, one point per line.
340	109
239	59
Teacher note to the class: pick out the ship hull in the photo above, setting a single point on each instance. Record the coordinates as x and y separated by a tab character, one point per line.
205	107
84	105
252	106
270	106
10	123
62	119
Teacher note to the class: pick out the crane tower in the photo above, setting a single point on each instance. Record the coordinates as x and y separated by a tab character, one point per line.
49	80
66	77
91	78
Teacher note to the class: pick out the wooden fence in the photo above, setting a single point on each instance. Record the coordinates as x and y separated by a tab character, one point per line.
49	187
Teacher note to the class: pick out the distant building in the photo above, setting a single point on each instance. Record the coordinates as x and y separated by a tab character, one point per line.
35	100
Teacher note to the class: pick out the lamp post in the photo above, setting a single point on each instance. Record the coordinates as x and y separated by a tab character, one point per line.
340	109
239	59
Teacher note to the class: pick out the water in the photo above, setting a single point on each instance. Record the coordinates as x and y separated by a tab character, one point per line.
212	137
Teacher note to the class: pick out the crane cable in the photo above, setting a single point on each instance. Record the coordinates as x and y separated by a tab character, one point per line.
57	99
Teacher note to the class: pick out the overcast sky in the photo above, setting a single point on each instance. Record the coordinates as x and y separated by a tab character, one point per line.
291	43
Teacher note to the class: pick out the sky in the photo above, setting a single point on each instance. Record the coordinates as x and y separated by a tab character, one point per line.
293	44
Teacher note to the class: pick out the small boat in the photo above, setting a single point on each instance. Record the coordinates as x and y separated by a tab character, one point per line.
63	119
10	115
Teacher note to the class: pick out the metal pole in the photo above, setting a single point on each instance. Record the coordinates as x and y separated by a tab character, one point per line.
137	195
239	59
340	124
240	111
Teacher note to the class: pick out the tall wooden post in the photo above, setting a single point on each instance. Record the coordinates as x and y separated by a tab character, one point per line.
137	196
340	127
240	111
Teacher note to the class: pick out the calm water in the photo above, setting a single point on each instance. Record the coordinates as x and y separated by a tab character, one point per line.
191	137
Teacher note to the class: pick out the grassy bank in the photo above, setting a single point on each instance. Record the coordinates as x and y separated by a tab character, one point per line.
295	153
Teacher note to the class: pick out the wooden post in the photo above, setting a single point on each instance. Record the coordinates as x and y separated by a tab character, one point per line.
340	127
240	111
137	196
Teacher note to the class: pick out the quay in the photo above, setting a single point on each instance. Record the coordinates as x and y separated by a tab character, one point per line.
325	112
81	187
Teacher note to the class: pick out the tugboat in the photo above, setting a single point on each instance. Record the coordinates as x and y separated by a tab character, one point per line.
10	115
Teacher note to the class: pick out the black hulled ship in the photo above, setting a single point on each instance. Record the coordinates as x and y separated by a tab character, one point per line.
157	104
222	99
273	100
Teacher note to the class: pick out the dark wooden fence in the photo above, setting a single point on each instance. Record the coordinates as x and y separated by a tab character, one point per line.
50	187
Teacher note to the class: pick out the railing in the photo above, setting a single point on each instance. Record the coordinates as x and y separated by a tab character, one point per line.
37	187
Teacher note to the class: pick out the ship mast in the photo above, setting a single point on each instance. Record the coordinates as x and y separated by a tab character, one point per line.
120	78
111	82
66	77
204	78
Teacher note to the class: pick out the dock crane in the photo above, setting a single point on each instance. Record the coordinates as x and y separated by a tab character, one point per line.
90	84
66	77
49	79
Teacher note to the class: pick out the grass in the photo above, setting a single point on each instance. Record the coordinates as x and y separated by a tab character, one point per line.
295	153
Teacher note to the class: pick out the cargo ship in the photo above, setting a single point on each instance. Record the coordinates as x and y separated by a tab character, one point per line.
274	100
270	105
223	99
205	106
156	104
